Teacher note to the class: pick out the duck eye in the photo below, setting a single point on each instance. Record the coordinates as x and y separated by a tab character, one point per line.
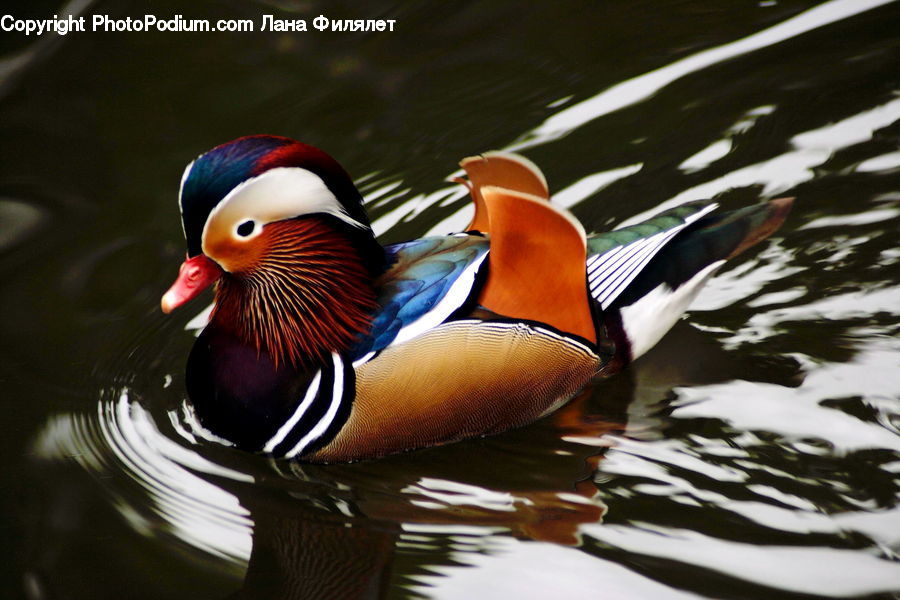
246	228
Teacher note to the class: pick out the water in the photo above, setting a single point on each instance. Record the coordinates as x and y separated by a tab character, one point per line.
753	454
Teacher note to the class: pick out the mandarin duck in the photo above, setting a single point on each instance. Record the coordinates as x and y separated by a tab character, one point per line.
325	346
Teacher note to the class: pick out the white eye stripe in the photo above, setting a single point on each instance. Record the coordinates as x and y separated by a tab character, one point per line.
275	195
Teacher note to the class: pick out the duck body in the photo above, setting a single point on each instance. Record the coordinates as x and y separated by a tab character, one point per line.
417	378
425	342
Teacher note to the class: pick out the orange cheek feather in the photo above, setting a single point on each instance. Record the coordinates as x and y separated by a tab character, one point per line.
232	255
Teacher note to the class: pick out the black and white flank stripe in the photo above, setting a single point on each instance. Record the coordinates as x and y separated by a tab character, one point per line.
319	414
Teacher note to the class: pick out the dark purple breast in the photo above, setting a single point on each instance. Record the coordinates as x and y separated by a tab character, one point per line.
239	394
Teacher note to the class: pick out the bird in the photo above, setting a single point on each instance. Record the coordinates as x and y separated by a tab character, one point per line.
326	346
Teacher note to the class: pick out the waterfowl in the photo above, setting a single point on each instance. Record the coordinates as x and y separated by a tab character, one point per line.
325	346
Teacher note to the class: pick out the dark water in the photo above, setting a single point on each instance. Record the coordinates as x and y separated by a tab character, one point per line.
753	454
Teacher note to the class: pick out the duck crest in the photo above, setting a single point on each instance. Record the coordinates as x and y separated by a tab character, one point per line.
306	295
213	175
218	175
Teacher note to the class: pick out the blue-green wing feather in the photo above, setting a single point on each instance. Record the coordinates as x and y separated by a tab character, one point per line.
616	258
422	273
601	243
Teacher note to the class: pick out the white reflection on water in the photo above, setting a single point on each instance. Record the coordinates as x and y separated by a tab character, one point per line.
418	203
707	156
536	571
860	304
796	413
885	162
811	570
771	264
720	148
586	187
882	526
124	439
781	173
453	493
644	86
866	218
652	461
379	194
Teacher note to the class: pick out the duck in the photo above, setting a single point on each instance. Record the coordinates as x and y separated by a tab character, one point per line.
324	345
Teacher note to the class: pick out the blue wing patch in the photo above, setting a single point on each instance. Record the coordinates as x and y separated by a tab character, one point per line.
418	283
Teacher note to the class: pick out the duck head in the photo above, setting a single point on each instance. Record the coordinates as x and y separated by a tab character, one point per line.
279	227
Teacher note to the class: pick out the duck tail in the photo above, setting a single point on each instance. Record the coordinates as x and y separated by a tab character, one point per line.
715	238
657	297
758	222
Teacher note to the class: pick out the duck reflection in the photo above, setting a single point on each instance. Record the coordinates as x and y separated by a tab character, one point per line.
334	531
297	555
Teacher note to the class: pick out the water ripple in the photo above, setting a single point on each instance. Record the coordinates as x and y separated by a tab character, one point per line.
124	439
